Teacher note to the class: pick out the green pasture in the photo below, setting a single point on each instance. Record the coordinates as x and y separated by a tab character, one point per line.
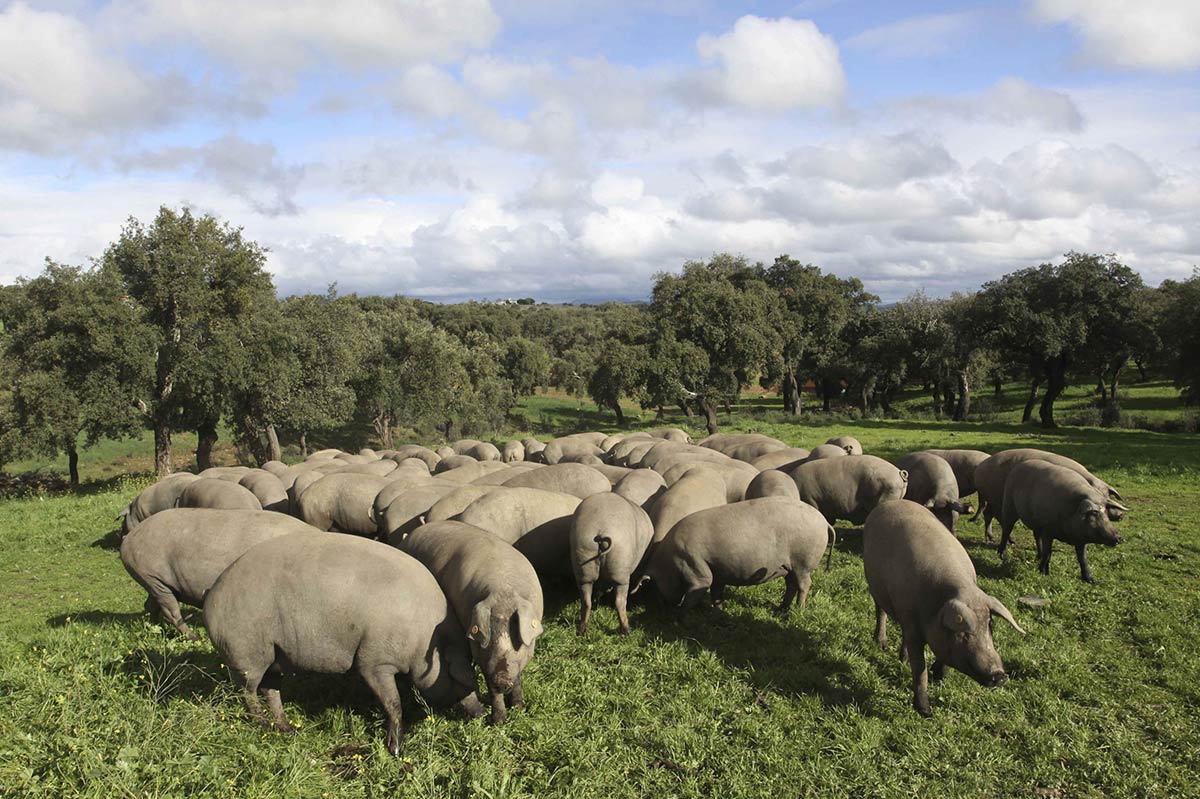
1103	700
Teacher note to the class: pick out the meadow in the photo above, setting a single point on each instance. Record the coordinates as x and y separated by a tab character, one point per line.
1102	700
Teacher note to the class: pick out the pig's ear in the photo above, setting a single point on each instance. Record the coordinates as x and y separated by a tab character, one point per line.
529	626
1087	505
997	607
479	630
1112	492
957	616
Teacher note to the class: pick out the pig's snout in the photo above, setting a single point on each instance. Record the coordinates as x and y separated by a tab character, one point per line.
1117	540
996	678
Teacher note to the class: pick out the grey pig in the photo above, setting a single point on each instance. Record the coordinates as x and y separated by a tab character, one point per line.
849	487
1056	503
496	596
332	603
746	543
931	482
178	554
609	536
920	575
212	492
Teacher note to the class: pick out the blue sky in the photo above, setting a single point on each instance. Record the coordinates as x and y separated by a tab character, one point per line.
568	151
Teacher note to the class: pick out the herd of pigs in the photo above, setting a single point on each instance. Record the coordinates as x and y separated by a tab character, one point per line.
443	567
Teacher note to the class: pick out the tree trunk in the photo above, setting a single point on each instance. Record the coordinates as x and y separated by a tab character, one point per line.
73	466
885	401
162	449
826	395
998	387
937	399
687	409
792	394
1101	388
1056	381
728	409
276	451
447	431
206	437
948	400
1111	415
303	443
1141	369
710	415
658	417
383	429
964	397
864	399
616	406
1029	403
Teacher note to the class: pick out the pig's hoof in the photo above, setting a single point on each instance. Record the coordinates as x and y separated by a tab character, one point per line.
498	719
924	710
623	629
581	629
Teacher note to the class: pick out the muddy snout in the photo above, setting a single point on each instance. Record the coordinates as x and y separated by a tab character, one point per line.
995	679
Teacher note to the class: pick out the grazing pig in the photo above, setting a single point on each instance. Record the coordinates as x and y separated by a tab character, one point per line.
826	451
609	535
502	476
211	492
511	513
920	575
342	502
642	487
456	501
565	478
466	472
746	543
848	443
406	512
697	491
332	603
230	473
1055	503
532	447
512	452
399	485
963	462
159	497
772	483
496	596
992	474
782	459
483	451
615	474
849	488
178	554
423	454
931	483
267	489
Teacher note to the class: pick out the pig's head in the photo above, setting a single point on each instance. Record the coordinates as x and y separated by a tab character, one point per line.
502	640
449	675
961	636
1092	523
947	512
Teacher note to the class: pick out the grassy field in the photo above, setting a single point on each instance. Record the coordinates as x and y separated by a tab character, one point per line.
1102	701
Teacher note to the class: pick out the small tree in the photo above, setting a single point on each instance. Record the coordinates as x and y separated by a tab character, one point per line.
1179	330
620	372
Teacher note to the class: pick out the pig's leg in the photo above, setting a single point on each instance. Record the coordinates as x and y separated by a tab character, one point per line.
880	627
692	598
920	675
717	592
1085	571
168	606
789	593
585	600
621	599
382	682
987	523
805	585
938	670
499	711
516	697
249	680
269	687
1047	550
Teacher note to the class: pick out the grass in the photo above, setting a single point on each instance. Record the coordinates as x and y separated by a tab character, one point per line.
97	701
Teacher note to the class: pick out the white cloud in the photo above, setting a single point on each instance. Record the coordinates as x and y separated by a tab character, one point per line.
270	37
1159	35
59	88
879	161
916	37
1010	101
773	65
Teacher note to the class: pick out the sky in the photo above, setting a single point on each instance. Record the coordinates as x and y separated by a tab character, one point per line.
569	151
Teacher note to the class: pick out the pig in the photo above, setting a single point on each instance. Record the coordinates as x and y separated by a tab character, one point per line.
963	462
212	492
564	478
406	511
495	595
453	462
746	543
155	498
532	447
342	502
931	482
466	469
782	459
502	476
848	443
230	473
328	604
178	554
725	443
736	480
267	489
608	538
694	492
772	483
849	487
992	474
511	513
826	451
423	454
1056	503
920	575
453	503
642	487
512	452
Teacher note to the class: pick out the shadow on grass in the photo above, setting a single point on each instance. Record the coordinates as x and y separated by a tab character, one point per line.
110	541
775	656
97	617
